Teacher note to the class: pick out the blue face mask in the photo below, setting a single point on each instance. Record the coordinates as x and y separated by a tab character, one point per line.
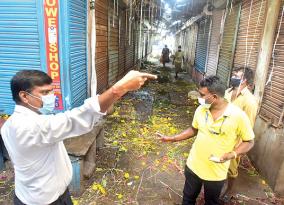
48	104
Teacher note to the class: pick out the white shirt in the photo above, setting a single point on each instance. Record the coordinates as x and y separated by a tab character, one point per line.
35	145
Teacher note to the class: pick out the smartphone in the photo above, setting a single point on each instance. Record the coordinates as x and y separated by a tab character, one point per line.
214	159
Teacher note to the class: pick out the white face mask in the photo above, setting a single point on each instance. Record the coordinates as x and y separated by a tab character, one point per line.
48	103
202	101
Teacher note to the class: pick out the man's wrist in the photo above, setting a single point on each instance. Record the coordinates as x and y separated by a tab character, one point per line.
117	91
234	154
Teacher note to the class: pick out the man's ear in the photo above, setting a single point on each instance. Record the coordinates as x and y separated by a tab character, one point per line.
23	96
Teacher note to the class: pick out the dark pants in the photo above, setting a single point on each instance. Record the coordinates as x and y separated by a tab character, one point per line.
64	199
3	154
192	187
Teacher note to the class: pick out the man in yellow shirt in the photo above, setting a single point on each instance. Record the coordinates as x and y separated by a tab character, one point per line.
218	126
240	95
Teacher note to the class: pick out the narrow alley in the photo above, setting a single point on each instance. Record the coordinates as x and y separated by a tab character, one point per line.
87	47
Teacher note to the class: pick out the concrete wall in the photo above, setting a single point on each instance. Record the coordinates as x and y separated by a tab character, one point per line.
268	154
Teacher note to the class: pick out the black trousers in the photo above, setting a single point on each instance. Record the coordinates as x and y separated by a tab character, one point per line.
64	199
192	187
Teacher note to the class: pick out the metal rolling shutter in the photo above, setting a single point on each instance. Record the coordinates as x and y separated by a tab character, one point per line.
122	42
214	46
19	44
130	48
202	44
78	51
272	107
227	48
192	43
249	33
113	46
102	44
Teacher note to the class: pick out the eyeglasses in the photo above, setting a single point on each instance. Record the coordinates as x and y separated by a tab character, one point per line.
211	130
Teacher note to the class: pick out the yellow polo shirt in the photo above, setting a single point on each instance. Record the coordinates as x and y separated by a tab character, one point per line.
246	101
216	138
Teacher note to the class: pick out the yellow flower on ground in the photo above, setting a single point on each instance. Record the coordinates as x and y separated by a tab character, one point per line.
119	196
126	175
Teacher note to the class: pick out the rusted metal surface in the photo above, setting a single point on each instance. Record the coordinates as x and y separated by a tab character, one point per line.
122	41
113	46
272	105
249	33
101	10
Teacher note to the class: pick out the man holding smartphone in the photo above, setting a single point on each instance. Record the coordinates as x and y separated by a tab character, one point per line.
218	127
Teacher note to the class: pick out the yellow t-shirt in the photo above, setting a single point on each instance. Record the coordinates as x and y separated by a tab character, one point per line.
246	101
216	138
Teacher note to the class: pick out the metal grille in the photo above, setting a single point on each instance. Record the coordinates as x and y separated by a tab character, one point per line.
272	107
214	45
102	44
78	51
249	33
122	42
113	46
202	44
19	44
227	48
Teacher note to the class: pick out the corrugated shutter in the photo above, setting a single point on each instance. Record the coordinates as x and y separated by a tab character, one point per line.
136	45
19	44
228	44
113	46
122	42
130	48
249	33
272	107
78	51
202	44
192	36
214	45
101	10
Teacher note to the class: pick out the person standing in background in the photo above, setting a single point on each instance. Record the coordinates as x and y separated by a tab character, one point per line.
178	60
240	95
165	55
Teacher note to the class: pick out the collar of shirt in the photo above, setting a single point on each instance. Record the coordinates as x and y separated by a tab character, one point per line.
23	109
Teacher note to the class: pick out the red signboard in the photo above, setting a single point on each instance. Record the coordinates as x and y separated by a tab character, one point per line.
52	47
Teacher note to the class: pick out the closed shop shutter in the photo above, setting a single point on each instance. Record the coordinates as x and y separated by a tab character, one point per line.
112	42
214	45
78	51
19	44
202	44
249	33
122	42
101	10
272	106
227	48
136	39
130	48
191	38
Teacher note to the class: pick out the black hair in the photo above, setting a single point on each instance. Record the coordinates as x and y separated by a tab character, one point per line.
214	85
179	46
26	80
248	74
